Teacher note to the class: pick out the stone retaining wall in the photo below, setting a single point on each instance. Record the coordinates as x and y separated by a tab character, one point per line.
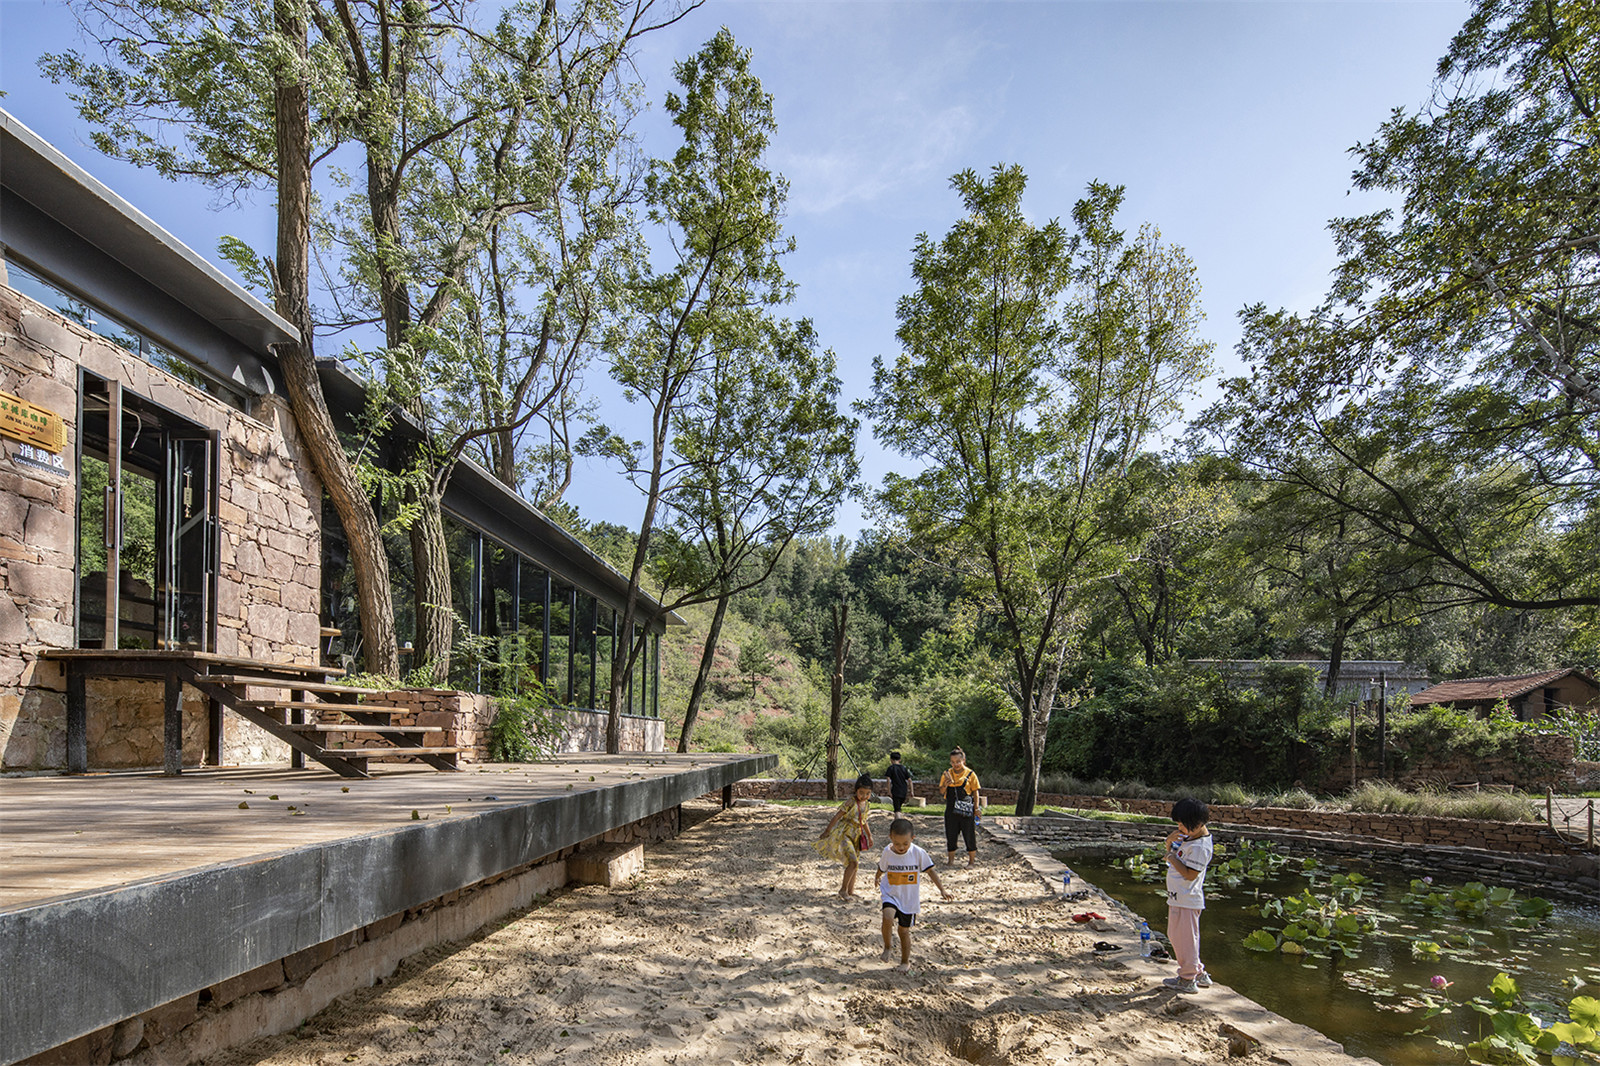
1569	876
280	995
1543	760
1514	837
464	719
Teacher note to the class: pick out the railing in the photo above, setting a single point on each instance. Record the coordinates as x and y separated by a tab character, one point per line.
1568	814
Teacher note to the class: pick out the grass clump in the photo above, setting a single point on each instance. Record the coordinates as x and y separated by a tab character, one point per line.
1379	797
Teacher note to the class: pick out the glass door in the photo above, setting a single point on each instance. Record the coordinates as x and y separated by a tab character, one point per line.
187	543
146	524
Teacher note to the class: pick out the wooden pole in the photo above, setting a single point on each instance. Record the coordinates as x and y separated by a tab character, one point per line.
1550	808
1352	745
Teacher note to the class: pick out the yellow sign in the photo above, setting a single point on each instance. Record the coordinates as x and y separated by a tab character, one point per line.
21	420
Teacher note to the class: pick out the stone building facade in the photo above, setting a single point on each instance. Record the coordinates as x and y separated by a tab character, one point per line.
268	565
156	496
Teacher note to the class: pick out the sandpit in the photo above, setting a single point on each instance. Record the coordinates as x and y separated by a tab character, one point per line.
733	948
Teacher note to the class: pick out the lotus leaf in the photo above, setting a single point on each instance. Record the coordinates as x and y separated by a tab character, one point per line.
1585	1010
1573	1033
1261	940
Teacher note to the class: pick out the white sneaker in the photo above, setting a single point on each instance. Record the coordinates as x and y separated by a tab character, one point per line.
1202	980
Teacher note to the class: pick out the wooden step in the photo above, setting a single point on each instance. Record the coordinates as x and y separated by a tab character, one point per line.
358	727
390	753
342	708
236	680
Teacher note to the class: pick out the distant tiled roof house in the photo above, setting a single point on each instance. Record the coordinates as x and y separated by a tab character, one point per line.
1529	695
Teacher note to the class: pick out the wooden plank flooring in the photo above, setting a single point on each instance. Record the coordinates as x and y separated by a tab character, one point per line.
61	835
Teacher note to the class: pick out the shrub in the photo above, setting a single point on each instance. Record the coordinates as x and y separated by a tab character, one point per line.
527	725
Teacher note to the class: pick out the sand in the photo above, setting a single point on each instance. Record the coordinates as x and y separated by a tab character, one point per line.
733	948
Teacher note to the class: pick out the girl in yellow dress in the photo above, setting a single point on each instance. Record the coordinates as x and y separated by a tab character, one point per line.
848	835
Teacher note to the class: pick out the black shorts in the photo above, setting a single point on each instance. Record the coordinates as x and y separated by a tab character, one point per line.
899	801
900	916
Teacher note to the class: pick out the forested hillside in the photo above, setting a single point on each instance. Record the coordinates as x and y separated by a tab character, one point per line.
918	678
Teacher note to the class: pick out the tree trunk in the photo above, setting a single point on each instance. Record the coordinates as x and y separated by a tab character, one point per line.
1335	656
703	676
435	619
298	363
1041	694
841	653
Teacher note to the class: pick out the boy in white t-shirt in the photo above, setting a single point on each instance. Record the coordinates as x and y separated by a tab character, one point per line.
1189	850
905	865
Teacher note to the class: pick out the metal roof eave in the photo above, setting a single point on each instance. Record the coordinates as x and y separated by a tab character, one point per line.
38	172
581	565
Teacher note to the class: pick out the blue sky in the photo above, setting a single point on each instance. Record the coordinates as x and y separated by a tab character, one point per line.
1229	124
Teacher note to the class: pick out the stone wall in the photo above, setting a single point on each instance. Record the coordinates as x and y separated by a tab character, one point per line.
1515	837
464	719
586	731
269	514
280	995
1543	760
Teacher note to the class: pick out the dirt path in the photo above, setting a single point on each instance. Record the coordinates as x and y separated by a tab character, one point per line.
732	948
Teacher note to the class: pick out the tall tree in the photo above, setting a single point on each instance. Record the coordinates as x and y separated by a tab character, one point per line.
245	96
492	163
763	456
1026	409
1462	332
707	351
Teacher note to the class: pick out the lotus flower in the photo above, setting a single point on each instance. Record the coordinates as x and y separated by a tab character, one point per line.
1427	880
1440	983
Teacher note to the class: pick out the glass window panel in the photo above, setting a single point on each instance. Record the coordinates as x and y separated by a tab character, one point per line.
93	473
583	648
461	547
497	616
560	643
604	649
341	603
530	614
402	584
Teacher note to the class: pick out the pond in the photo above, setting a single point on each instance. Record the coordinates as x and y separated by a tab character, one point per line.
1368	984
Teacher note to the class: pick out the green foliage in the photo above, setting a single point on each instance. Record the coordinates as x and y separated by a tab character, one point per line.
1380	797
527	726
1518	1035
1583	726
1035	364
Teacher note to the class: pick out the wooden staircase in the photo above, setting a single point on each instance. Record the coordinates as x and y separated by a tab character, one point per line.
344	733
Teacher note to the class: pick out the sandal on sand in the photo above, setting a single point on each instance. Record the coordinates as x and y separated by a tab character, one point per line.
1102	946
1159	955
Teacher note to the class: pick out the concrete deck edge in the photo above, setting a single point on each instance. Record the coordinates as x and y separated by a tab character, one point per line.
79	963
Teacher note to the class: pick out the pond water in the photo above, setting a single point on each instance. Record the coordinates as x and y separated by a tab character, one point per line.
1371	992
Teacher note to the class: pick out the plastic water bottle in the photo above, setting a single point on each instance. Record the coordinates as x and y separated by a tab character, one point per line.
1066	883
1144	940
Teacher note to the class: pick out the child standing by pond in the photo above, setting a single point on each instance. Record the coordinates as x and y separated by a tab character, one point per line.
848	835
1188	854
